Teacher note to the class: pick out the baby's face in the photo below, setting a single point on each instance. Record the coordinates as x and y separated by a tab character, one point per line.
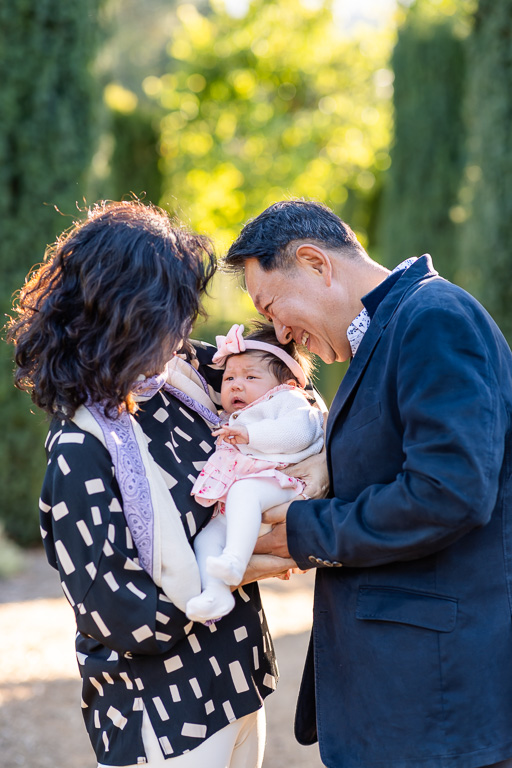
246	378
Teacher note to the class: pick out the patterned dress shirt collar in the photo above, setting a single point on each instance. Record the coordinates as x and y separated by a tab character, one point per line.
361	323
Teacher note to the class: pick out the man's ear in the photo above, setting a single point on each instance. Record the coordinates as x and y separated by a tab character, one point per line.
315	259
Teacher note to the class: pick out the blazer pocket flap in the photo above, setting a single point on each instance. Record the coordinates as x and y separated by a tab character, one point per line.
420	609
362	417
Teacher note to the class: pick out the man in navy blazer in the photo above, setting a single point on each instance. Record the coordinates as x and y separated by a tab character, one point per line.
410	660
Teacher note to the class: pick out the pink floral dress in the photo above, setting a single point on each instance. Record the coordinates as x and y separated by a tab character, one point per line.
228	464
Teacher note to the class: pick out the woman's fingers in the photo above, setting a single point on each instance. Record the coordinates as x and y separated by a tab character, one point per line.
276	514
265	567
274	543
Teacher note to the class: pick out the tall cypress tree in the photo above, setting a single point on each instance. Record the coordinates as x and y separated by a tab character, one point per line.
420	191
486	251
46	143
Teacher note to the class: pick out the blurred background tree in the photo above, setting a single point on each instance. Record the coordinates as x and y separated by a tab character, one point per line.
217	108
251	115
419	211
485	197
47	102
136	39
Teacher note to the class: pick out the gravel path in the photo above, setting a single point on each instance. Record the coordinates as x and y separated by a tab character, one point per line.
40	720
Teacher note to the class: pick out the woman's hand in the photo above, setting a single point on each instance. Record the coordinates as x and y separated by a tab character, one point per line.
313	472
266	566
275	542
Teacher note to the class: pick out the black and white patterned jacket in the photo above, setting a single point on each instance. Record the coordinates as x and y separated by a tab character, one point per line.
135	649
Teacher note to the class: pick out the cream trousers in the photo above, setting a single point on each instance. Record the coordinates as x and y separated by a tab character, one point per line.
238	745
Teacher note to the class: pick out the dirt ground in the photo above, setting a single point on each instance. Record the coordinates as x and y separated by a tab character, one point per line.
40	719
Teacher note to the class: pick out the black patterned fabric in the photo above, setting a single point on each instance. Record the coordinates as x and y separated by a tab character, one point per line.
135	649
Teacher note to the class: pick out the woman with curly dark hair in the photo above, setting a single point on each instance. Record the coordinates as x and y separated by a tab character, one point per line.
100	332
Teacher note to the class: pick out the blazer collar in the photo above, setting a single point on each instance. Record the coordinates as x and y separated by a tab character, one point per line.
421	269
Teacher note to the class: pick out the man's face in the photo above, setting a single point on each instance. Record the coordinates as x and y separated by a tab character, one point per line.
300	305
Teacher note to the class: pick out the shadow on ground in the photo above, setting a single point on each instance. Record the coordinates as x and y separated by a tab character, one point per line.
40	717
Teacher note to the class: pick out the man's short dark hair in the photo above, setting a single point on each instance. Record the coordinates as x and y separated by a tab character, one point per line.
268	237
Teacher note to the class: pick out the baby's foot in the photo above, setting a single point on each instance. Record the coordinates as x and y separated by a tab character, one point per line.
210	604
227	568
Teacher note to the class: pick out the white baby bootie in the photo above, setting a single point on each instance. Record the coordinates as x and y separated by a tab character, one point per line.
213	603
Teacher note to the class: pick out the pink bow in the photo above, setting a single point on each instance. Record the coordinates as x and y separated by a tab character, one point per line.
232	344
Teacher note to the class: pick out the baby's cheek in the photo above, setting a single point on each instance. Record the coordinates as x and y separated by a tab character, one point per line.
224	399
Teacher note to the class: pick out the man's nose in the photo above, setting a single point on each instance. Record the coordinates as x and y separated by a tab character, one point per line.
283	332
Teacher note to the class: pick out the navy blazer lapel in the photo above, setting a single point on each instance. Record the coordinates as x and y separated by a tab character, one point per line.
353	374
421	269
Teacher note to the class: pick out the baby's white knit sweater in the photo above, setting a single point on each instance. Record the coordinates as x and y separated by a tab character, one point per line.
282	426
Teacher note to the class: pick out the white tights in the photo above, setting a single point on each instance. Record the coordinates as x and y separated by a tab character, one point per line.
223	548
238	745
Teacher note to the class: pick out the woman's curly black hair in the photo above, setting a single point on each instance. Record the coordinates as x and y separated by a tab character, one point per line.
115	297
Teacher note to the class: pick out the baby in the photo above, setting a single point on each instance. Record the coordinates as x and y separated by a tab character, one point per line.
270	424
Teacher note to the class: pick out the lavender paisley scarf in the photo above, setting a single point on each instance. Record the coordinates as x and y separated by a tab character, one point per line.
151	515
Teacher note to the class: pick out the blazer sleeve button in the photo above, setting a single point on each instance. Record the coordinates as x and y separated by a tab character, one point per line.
327	562
337	565
312	559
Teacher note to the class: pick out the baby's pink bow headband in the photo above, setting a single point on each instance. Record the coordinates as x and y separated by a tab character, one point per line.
234	344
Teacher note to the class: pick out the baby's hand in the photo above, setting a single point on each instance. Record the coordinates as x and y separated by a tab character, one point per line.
231	435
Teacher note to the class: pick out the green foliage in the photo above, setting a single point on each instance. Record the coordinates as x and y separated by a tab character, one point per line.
134	161
46	141
278	103
137	34
136	37
11	557
486	195
419	211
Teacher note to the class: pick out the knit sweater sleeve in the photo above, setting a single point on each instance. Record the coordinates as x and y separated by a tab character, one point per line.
288	425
